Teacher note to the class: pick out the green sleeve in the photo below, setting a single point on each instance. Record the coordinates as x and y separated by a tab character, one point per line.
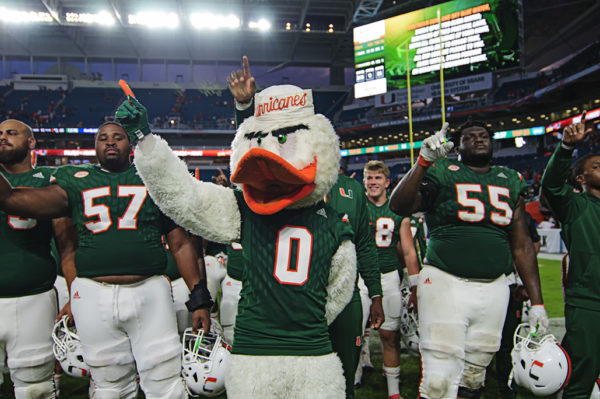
368	266
564	203
241	116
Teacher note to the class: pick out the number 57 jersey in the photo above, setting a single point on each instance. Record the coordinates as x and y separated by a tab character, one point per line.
118	224
470	219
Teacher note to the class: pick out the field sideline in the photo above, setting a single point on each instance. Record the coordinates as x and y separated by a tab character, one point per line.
373	382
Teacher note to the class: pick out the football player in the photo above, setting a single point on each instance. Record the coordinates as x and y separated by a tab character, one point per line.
346	198
395	250
28	304
578	214
476	219
120	300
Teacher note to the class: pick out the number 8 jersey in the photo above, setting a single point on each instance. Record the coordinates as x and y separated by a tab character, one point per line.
470	218
118	225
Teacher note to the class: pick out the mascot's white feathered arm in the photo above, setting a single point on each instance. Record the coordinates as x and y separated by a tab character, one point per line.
205	209
342	277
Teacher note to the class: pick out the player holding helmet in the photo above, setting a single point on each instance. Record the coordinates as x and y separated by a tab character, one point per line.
475	215
578	214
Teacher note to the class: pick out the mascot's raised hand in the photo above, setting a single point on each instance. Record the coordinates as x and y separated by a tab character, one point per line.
133	116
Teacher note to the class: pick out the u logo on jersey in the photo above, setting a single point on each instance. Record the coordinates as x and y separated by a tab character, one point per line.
344	194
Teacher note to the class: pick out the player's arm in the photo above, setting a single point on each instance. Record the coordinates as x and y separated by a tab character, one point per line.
40	203
406	198
65	237
406	249
525	260
367	264
554	187
194	276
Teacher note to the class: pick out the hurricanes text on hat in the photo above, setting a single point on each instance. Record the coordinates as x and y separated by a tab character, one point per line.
283	102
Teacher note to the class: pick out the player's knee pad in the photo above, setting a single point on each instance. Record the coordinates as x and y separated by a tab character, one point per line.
36	390
473	378
469	393
441	373
33	382
163	381
115	381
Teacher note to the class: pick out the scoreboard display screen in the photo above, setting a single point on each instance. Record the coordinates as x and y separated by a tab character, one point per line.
476	36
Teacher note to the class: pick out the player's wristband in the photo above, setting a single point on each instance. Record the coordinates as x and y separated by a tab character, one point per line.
199	297
423	162
413	280
567	146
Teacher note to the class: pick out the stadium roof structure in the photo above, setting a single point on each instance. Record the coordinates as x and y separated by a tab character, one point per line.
553	29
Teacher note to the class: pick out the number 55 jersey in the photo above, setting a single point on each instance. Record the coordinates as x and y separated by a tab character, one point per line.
469	216
118	225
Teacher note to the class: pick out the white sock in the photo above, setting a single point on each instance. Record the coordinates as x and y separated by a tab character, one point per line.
392	376
56	382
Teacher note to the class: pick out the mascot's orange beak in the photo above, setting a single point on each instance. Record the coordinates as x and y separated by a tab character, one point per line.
270	183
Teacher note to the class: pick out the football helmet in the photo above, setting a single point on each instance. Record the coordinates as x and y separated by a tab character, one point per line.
409	320
68	350
205	359
540	364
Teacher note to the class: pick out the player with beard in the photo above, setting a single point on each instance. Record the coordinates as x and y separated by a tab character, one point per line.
27	300
476	218
120	300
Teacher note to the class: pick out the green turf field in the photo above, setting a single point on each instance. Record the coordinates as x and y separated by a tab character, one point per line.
373	382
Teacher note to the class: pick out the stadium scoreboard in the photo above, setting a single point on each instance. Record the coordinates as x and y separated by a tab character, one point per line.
476	36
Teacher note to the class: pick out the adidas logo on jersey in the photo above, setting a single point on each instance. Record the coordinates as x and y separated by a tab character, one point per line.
76	295
38	175
427	281
345	218
502	175
322	212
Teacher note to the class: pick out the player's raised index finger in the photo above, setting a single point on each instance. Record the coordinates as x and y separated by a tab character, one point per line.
246	65
444	129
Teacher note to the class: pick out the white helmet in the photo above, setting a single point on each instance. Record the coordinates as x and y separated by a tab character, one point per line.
409	320
596	390
68	350
540	365
205	359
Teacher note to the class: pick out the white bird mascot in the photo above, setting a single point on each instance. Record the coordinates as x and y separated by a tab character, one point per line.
299	262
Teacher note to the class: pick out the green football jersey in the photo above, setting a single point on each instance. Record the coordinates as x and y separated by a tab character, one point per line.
235	261
118	225
470	220
287	259
579	216
385	229
27	265
348	198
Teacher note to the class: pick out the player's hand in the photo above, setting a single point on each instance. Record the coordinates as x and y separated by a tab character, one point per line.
576	132
436	147
520	294
133	116
412	300
376	317
221	179
66	310
242	84
538	319
201	319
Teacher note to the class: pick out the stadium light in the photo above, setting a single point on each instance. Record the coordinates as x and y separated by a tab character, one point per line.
262	25
18	16
288	26
101	18
154	19
207	20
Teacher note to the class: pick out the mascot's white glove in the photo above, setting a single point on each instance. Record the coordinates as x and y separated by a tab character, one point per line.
435	147
538	319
